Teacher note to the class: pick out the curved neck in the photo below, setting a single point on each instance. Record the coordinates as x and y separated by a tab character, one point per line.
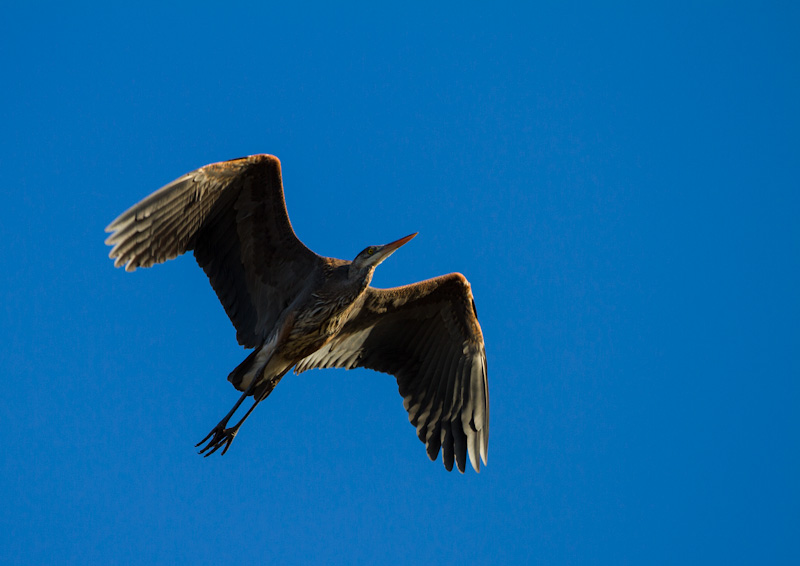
362	275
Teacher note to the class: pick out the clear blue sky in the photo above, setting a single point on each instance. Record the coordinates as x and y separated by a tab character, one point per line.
619	183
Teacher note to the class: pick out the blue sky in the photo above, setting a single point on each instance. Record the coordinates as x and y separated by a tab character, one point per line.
619	184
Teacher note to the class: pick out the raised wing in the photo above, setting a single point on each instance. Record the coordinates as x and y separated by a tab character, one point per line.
233	216
427	335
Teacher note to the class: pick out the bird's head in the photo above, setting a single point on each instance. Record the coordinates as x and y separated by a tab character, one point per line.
370	257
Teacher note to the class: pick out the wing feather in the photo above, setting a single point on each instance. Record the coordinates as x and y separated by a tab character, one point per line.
427	428
233	216
427	335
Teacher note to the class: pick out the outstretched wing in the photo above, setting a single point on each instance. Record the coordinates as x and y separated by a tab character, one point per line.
233	216
427	335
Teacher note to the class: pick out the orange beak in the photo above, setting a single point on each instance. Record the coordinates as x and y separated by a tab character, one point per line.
385	251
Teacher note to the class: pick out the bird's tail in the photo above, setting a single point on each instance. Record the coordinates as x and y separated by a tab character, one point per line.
263	368
242	376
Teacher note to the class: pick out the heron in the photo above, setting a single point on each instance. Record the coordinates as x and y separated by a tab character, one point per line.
297	309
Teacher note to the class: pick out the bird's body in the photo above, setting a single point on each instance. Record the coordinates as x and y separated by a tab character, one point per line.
298	309
313	319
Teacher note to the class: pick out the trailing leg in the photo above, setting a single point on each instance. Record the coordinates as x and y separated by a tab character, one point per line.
220	435
220	432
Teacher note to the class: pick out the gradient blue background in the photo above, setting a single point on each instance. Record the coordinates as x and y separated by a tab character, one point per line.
618	182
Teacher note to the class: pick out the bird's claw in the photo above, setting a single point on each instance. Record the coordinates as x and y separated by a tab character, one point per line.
219	436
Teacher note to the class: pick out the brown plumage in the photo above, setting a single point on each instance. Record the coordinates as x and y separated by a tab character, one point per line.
302	310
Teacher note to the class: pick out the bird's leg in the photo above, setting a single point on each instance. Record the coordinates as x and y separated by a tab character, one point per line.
260	389
227	435
219	432
221	435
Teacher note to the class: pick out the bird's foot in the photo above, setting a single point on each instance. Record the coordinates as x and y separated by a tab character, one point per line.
220	436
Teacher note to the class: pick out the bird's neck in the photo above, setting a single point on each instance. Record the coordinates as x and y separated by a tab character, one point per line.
366	280
345	284
361	277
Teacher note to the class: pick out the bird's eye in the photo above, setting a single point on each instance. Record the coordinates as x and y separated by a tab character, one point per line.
370	251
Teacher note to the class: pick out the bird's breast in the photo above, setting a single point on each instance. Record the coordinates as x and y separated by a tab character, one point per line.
316	325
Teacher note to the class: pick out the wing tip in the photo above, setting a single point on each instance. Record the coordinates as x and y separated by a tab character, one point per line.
259	158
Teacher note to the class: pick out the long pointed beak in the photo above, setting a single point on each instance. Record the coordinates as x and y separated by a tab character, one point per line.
388	249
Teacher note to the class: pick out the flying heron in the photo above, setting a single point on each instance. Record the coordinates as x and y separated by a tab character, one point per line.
302	310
